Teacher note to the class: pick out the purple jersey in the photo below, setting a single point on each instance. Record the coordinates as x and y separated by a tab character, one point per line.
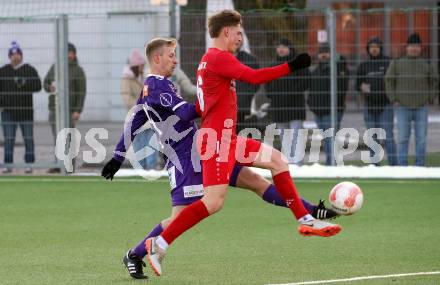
170	116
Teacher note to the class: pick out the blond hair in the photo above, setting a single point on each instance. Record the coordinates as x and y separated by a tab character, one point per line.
157	44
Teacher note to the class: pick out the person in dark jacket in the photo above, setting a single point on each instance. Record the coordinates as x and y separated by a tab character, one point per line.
18	80
319	99
245	91
378	110
77	92
288	107
411	84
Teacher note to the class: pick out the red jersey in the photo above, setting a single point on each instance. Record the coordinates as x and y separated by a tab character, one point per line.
216	93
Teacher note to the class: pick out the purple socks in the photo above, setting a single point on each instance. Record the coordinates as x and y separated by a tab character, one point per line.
139	250
273	197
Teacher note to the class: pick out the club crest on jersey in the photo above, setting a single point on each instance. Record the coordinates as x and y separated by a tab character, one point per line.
145	91
166	99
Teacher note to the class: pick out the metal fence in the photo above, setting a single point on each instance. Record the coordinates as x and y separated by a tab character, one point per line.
346	87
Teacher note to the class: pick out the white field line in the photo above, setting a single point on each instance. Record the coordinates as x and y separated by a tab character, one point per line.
361	278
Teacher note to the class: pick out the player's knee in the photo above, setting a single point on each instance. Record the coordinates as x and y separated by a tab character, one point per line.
214	205
256	181
165	222
279	161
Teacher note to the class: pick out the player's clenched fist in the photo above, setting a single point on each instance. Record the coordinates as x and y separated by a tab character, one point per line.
303	60
110	169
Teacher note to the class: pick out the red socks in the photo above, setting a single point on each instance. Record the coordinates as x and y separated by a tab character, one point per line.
188	218
284	184
197	211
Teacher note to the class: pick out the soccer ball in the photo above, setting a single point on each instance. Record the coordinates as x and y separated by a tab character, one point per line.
346	198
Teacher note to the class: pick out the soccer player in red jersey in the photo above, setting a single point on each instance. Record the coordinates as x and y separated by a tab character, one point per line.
218	143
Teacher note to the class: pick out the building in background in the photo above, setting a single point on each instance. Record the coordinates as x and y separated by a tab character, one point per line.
359	20
104	33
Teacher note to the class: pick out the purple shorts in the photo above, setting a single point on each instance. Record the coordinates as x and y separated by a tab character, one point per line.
187	187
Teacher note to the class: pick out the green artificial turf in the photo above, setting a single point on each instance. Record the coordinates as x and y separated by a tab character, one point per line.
75	230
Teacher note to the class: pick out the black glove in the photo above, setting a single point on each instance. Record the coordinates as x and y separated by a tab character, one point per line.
110	169
303	60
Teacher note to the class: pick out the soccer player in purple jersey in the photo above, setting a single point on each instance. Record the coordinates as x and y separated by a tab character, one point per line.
173	121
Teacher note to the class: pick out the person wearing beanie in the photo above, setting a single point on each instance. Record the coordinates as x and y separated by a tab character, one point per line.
378	110
132	78
411	85
15	49
18	81
71	48
414	39
287	107
132	84
77	93
319	99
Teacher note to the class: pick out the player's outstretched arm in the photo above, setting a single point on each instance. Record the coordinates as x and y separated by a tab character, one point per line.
130	127
113	165
232	68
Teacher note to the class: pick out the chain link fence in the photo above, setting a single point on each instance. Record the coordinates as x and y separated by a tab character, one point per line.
372	68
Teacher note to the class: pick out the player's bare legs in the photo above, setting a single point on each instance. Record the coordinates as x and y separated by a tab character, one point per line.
175	210
245	179
273	160
188	217
248	179
215	197
211	203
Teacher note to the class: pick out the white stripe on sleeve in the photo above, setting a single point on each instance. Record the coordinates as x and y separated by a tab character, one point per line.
178	105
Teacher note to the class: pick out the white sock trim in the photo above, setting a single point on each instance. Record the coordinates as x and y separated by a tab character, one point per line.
162	243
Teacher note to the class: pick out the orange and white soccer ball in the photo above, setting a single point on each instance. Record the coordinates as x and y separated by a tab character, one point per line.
346	198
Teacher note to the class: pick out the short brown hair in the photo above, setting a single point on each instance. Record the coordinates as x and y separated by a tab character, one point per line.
156	44
225	18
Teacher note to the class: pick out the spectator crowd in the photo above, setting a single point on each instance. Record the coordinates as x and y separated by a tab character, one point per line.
395	92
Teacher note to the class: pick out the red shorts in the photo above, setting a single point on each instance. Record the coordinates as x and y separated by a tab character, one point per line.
217	168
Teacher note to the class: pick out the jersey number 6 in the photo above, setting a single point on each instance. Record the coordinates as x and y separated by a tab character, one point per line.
200	93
